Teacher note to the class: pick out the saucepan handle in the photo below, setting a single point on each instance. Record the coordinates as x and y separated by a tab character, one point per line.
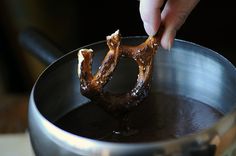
39	45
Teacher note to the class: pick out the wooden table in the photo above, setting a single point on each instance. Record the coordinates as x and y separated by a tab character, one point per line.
13	113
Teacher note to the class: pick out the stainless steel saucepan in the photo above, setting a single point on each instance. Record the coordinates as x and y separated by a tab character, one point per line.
188	69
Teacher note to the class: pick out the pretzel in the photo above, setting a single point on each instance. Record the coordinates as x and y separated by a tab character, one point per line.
92	86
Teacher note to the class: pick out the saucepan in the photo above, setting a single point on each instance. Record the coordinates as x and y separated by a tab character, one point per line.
188	70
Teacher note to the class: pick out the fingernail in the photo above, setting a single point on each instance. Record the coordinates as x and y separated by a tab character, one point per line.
149	29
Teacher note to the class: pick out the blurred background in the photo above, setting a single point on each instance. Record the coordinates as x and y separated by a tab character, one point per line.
72	24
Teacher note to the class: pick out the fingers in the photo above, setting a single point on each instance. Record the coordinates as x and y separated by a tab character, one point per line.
173	17
151	15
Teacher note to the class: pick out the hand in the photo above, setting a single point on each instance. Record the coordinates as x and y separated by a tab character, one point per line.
172	17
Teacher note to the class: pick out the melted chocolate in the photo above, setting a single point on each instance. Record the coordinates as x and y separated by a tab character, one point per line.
159	117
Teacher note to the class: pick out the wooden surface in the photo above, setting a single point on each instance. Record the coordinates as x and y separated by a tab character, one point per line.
13	113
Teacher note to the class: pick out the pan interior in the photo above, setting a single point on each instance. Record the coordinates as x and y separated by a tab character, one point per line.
160	117
202	79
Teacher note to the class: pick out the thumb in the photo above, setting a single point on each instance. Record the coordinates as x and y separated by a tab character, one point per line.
151	15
